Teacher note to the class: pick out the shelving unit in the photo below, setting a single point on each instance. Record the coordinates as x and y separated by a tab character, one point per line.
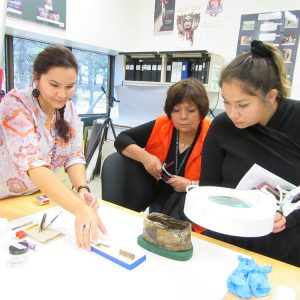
144	67
165	68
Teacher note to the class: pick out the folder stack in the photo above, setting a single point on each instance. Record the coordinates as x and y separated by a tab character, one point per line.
139	68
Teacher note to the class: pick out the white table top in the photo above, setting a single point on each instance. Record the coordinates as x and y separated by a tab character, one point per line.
59	269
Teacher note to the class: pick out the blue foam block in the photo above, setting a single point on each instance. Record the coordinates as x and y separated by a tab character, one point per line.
123	262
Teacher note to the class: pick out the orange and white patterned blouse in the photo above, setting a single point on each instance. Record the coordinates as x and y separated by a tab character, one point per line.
26	143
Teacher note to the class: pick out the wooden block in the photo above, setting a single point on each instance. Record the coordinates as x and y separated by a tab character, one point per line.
44	236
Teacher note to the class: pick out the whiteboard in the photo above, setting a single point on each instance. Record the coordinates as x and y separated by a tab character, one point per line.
139	104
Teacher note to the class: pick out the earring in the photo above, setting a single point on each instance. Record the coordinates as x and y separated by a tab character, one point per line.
36	93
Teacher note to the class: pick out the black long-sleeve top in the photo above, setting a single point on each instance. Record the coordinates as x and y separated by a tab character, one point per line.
229	152
139	135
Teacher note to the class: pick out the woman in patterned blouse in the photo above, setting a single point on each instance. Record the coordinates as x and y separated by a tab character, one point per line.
39	133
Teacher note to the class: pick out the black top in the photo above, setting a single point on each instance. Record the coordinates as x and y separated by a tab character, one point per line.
233	151
139	135
229	152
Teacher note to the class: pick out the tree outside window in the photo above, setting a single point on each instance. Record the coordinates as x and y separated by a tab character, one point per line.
92	74
24	53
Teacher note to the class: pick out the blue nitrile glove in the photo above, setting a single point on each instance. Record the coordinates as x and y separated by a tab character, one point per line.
258	281
249	279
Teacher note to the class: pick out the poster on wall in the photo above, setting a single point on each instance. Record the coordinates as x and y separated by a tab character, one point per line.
164	16
187	20
213	17
214	7
48	12
279	28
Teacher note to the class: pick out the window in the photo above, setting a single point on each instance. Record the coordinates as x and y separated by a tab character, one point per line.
2	79
24	53
93	74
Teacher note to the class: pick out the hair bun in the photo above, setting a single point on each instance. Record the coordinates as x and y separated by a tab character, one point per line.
259	48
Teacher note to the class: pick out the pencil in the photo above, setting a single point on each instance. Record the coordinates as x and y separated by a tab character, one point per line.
25	224
30	227
43	222
52	220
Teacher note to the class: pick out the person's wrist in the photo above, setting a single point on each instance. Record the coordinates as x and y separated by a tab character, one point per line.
146	157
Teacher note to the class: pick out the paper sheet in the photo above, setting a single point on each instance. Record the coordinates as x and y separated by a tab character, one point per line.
257	175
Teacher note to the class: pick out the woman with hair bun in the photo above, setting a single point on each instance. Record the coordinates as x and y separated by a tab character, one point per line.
40	133
260	126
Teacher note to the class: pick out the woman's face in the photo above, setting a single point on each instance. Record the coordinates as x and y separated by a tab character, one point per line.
186	117
246	110
56	87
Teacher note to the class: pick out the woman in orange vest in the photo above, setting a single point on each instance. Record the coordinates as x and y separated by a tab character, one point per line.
168	148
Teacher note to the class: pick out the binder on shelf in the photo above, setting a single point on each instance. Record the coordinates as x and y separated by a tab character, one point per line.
143	66
176	71
193	69
129	70
197	69
185	69
205	69
138	71
158	73
146	71
199	74
143	72
168	72
153	71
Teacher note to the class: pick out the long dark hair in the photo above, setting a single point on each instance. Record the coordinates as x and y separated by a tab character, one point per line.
56	56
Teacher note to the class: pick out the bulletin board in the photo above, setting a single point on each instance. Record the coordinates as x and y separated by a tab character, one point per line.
279	28
48	12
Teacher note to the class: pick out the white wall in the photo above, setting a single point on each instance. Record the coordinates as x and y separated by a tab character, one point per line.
222	40
98	24
127	25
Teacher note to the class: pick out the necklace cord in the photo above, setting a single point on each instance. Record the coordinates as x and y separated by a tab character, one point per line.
188	150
